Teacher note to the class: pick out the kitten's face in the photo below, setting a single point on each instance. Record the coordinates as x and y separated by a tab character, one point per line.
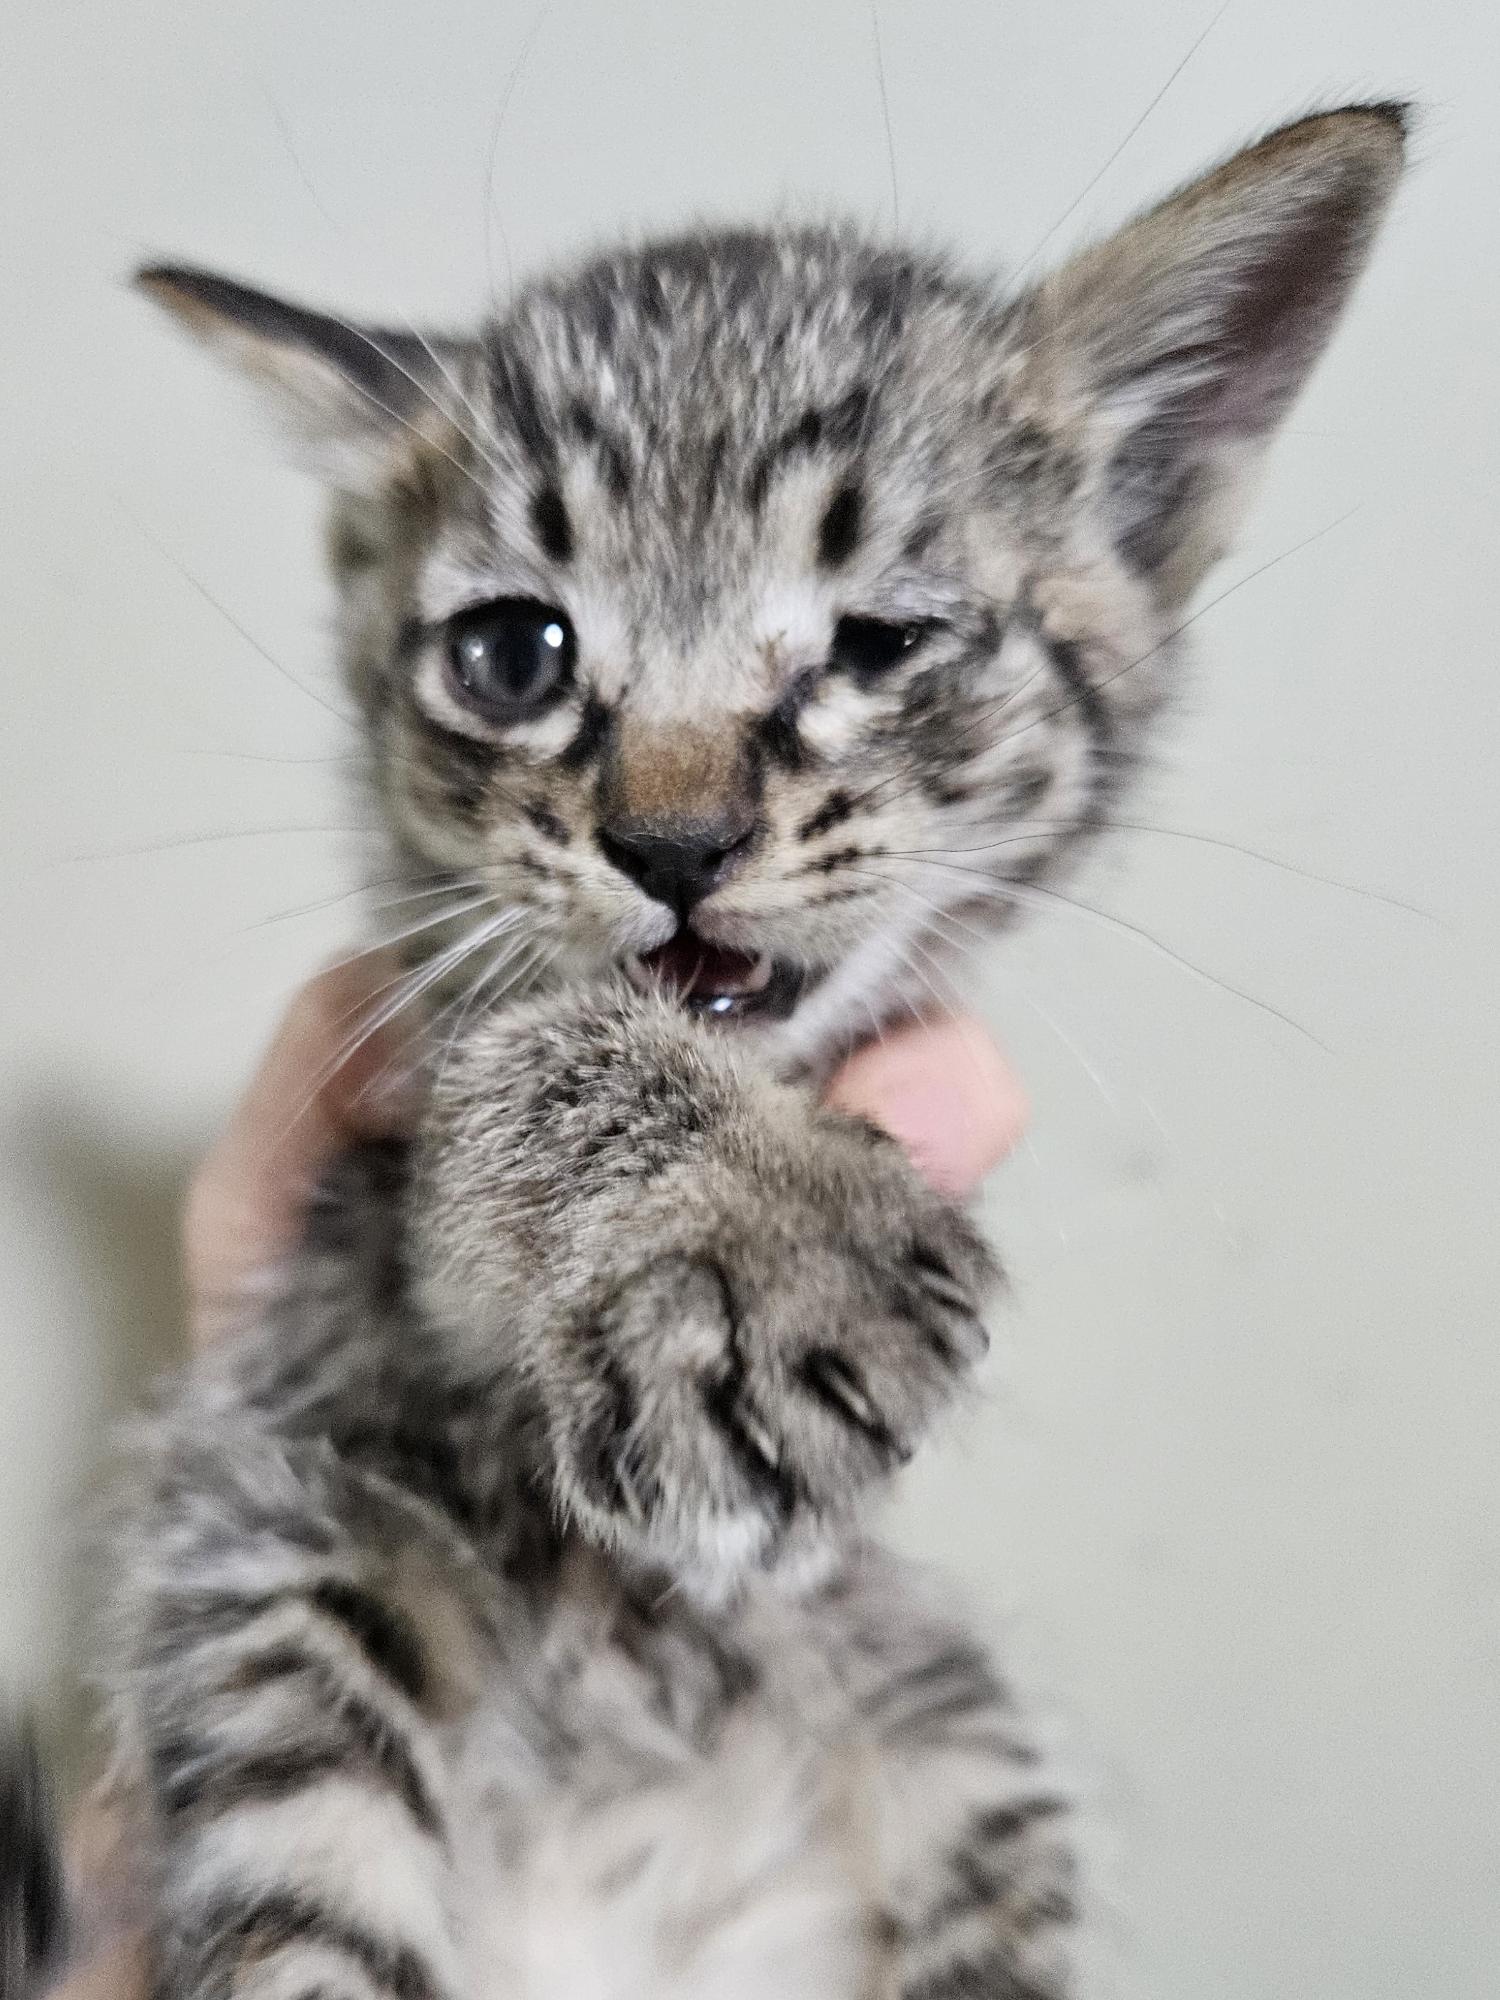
742	654
754	611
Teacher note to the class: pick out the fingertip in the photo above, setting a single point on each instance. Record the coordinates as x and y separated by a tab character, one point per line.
945	1091
334	1072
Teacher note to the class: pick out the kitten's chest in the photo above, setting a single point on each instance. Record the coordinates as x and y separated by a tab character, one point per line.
662	1813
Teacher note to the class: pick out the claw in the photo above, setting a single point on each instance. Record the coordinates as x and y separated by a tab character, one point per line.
760	1437
829	1376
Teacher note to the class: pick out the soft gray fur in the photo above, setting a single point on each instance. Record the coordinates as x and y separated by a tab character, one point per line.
498	1618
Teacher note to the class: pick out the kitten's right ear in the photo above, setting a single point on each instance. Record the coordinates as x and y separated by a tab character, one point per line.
1184	338
349	395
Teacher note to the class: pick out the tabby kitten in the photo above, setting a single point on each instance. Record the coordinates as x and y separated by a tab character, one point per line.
735	623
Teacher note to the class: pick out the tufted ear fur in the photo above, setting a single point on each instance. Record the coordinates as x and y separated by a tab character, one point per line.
1185	337
350	396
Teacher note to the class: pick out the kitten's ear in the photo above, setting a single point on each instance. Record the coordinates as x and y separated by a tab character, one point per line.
1189	333
349	395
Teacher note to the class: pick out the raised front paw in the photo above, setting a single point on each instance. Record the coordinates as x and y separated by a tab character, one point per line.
725	1310
731	1397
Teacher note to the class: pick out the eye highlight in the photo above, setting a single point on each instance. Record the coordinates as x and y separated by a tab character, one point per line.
508	659
867	648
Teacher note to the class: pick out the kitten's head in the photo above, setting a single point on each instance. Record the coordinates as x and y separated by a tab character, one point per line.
764	611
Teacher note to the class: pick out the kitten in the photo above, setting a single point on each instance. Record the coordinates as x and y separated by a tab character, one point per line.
735	623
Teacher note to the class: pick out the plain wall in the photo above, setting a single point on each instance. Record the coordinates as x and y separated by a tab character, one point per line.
1231	1504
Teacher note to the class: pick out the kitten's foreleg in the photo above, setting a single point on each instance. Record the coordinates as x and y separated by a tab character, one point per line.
979	1891
286	1721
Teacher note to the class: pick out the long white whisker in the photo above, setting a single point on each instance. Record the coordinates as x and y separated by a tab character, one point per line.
988	888
1084	825
404	974
432	1025
410	988
175	841
444	880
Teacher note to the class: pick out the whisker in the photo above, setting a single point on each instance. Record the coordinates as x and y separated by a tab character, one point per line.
430	921
409	1060
490	219
209	839
194	583
422	437
284	129
988	888
1187	834
1097	687
440	882
424	390
470	438
373	946
1055	1028
260	757
1088	188
987	713
466	1000
410	988
885	113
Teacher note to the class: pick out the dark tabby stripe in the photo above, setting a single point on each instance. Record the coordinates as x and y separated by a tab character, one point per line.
593	727
226	1781
995	1875
1002	1823
1067	663
387	1640
952	1685
835	809
244	1931
345	1734
838	536
991	1976
554	530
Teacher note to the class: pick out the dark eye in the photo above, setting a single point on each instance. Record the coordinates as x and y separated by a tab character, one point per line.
869	647
509	658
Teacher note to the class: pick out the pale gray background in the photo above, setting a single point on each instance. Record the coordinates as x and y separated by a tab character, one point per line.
1233	1498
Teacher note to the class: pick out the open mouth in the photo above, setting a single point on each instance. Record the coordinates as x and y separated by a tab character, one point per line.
711	979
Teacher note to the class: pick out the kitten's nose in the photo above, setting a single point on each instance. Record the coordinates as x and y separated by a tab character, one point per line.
679	861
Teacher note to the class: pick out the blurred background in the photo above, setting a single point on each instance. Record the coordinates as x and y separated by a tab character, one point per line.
1231	1504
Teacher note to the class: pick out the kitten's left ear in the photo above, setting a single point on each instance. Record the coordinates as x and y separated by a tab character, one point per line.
349	395
1187	335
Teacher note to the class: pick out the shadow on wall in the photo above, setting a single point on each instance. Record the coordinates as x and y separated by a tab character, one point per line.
116	1202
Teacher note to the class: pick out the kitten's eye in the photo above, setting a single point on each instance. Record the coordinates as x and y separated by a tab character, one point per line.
869	647
507	659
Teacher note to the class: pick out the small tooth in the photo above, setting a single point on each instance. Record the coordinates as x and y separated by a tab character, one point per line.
760	974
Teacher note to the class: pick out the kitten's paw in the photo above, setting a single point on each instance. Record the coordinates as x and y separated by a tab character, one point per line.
729	1310
743	1393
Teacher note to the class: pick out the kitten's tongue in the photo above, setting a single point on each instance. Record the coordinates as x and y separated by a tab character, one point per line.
704	974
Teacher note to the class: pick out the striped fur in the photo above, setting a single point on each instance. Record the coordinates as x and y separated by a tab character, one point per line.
498	1615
